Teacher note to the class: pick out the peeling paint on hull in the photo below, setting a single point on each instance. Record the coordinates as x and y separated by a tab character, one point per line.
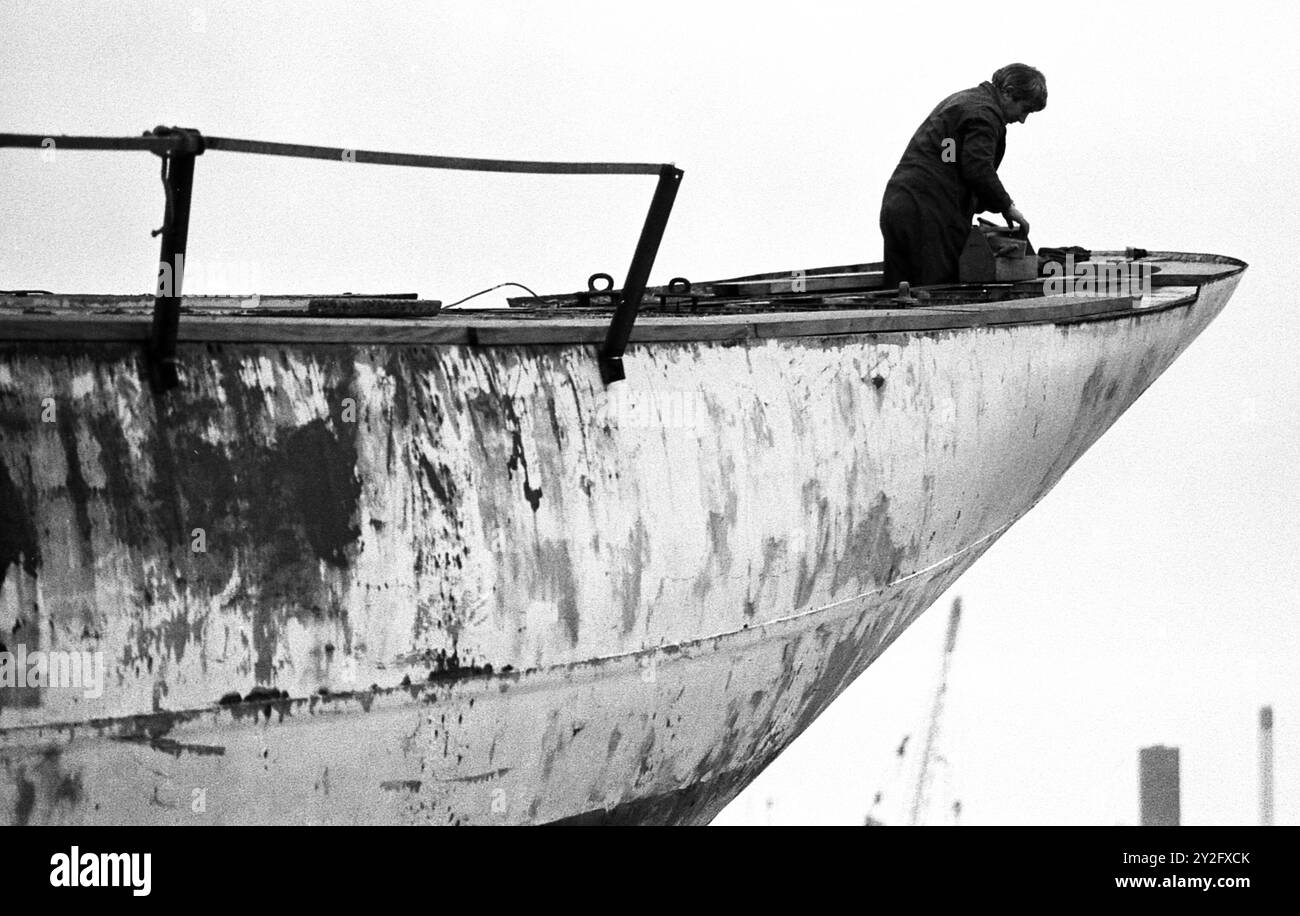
571	604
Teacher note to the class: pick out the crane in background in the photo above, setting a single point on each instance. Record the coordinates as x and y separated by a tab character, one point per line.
930	757
921	797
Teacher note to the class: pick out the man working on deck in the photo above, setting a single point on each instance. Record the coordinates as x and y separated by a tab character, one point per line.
949	173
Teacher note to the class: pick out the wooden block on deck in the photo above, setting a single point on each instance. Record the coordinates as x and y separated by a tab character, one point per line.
358	307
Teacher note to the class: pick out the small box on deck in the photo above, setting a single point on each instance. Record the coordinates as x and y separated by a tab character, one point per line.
991	255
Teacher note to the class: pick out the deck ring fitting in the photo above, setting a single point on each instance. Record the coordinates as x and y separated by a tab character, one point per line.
591	283
679	285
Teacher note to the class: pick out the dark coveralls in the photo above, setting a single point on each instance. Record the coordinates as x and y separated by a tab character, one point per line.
929	202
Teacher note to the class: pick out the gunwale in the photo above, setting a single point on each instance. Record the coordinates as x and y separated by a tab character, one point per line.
226	319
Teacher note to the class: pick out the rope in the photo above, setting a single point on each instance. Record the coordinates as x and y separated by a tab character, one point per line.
488	290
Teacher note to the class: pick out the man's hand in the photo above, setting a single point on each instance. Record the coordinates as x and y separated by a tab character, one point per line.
1015	219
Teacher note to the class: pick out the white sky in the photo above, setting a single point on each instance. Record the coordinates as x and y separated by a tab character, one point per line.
1151	598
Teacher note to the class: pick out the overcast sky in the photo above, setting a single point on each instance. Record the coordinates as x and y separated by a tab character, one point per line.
1151	598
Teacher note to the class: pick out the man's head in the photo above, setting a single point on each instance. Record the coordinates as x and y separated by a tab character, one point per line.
1023	90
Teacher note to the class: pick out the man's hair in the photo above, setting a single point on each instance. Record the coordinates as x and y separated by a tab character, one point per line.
1023	83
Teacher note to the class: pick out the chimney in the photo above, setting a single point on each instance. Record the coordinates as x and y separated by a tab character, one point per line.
1158	786
1266	766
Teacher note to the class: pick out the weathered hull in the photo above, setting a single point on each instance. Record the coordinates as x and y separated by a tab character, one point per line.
570	604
